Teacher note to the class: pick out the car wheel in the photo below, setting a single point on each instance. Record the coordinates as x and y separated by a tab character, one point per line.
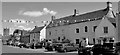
118	52
77	49
53	49
65	50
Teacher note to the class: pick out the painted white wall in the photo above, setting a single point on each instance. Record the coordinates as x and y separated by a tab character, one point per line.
43	34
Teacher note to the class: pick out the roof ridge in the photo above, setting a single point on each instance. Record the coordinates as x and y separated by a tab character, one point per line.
89	15
83	13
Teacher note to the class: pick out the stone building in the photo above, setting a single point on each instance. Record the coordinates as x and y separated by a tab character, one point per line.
89	25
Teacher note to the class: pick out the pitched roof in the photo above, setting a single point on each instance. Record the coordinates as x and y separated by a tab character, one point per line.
95	15
37	29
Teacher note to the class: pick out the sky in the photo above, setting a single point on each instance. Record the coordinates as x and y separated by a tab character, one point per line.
59	0
42	11
0	17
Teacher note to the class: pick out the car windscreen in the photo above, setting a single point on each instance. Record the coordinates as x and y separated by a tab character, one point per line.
60	45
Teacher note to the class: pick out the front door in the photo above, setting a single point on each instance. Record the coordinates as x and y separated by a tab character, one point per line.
77	41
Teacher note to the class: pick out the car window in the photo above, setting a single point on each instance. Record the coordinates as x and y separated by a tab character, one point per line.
59	44
117	44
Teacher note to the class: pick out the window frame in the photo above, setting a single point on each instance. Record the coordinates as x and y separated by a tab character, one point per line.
86	29
105	29
77	30
49	32
94	27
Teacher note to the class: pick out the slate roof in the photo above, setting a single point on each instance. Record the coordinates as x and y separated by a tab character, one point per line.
37	29
72	19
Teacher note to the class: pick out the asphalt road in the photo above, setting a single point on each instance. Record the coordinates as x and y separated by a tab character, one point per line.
22	51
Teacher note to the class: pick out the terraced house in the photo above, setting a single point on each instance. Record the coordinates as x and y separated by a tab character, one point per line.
90	26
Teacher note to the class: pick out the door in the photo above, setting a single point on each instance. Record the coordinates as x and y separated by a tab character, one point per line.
77	41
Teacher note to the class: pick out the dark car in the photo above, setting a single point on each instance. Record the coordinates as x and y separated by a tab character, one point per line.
38	45
117	46
55	45
29	45
12	43
87	50
21	45
84	51
66	47
49	47
16	43
105	49
109	49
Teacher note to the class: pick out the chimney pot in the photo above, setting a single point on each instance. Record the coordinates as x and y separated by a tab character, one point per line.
52	17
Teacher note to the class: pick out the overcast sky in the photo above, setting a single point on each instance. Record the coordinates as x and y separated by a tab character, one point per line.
0	17
59	0
42	11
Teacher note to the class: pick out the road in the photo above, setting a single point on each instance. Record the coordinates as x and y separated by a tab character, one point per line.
11	49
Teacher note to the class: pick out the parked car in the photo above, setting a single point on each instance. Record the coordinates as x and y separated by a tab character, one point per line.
105	49
66	47
21	45
29	45
117	47
16	43
55	45
5	43
12	43
38	45
87	50
84	51
49	47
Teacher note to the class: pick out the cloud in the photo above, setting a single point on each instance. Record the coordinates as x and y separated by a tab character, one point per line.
33	13
37	13
25	28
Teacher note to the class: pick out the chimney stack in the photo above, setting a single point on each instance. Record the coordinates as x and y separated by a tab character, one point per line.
35	26
74	12
109	5
52	17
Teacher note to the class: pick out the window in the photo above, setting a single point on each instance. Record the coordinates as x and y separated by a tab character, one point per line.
86	29
77	30
50	33
105	29
94	27
58	38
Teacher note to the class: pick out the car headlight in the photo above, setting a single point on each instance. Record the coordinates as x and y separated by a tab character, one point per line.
88	50
80	52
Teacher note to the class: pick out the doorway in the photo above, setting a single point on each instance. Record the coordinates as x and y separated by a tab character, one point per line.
77	41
